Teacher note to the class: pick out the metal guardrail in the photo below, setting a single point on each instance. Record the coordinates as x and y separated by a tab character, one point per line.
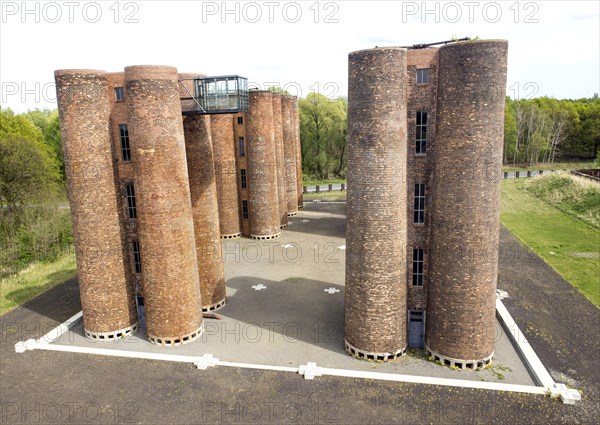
505	175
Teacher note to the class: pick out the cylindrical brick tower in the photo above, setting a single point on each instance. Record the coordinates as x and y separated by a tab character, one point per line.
289	154
279	162
165	226
262	175
226	174
205	208
375	310
107	295
298	149
465	216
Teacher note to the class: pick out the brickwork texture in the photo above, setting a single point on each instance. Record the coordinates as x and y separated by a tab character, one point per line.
375	304
107	295
465	212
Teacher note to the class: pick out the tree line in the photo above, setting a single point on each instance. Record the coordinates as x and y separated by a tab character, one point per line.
543	129
34	216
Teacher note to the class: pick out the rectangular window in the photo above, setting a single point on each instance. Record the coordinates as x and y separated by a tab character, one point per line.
417	279
125	148
243	178
421	140
240	120
130	192
423	76
245	210
137	259
241	142
419	207
119	94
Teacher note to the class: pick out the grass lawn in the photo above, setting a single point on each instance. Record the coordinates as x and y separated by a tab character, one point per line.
335	196
35	279
555	166
322	182
568	245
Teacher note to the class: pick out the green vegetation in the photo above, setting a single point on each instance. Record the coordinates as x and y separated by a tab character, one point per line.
335	196
568	245
34	225
325	182
323	136
575	196
542	130
35	279
557	165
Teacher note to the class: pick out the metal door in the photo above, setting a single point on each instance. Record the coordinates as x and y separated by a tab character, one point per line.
416	328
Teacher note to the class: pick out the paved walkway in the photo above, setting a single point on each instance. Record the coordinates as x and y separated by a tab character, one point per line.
37	387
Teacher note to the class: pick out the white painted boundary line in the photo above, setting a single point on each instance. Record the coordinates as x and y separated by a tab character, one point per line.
311	370
532	362
524	349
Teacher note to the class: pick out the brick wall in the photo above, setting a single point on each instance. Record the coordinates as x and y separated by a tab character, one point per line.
107	295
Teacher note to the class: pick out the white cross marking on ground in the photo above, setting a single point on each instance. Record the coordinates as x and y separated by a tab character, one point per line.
305	221
259	287
331	291
287	245
342	247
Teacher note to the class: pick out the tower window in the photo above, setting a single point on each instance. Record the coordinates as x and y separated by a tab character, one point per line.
119	94
137	259
245	210
125	148
243	180
423	76
130	193
240	120
421	140
419	205
417	274
241	143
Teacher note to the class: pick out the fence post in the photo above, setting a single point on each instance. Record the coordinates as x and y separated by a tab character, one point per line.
541	172
331	188
506	174
304	189
318	189
343	187
517	173
528	173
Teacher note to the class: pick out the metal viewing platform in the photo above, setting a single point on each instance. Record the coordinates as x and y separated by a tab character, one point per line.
226	94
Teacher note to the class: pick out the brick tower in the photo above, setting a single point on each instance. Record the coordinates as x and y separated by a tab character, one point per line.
375	309
107	294
166	231
262	175
222	133
289	154
465	216
278	134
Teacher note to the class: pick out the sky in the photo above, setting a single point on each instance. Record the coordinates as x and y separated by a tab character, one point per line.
302	46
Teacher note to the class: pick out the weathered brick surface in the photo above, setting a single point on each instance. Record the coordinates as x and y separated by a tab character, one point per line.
375	310
205	209
289	153
165	227
278	135
222	133
107	295
421	97
242	164
118	115
465	209
264	210
298	149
